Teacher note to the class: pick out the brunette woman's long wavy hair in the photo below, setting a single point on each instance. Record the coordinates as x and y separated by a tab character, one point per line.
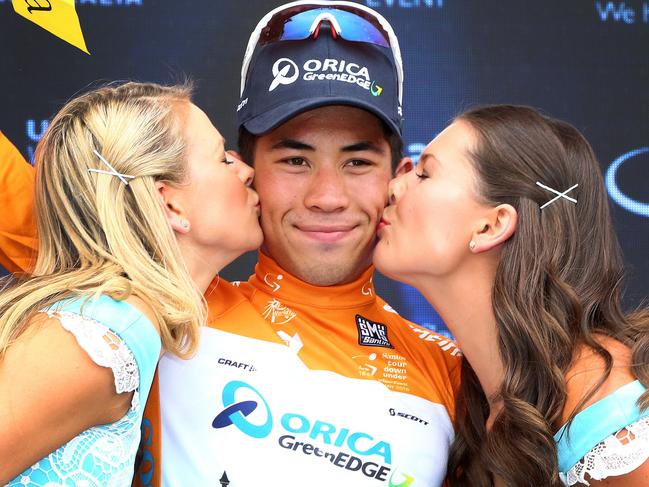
557	286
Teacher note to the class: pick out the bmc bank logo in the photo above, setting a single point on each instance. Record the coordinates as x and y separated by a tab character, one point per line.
308	436
287	72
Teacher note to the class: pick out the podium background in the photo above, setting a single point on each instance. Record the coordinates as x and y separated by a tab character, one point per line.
583	61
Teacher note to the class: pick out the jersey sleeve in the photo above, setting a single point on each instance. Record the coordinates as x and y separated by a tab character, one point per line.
443	361
148	464
18	241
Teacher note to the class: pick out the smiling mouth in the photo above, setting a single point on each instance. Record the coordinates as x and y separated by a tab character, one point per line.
326	234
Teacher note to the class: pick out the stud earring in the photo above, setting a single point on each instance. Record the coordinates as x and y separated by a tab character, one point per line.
184	223
472	245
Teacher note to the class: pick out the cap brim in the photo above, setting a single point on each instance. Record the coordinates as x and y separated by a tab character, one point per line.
277	116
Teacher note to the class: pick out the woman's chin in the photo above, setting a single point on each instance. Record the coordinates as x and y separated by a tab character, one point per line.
386	263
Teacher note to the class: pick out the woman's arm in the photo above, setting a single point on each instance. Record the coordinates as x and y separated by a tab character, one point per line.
50	391
18	241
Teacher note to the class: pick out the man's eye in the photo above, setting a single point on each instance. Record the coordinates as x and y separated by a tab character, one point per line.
358	163
295	161
421	175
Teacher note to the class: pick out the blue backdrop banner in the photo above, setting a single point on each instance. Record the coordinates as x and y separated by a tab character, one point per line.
583	61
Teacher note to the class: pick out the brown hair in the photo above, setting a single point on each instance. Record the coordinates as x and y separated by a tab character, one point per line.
557	286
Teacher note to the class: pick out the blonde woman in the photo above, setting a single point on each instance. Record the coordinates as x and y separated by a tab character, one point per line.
138	207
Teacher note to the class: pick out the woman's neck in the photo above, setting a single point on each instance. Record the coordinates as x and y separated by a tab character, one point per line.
202	267
464	303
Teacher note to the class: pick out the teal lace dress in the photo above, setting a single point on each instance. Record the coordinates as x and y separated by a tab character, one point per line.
115	335
607	439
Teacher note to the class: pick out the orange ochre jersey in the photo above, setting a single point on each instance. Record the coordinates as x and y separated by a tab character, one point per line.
292	385
297	385
17	225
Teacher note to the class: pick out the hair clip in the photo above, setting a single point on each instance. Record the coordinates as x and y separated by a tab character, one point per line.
559	194
113	172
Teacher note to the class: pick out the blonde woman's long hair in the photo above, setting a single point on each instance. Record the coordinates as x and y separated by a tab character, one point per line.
98	235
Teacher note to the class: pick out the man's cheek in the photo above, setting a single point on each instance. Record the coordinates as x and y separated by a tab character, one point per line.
265	221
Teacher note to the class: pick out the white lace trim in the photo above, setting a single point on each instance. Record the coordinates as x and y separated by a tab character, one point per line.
105	348
618	454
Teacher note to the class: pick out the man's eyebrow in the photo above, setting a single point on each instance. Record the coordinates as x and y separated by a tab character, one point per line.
292	144
363	146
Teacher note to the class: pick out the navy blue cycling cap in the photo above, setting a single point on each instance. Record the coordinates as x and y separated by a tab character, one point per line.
309	54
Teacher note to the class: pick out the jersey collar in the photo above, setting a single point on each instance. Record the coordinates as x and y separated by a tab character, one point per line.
271	279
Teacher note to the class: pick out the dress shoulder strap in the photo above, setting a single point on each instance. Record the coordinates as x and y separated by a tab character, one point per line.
598	421
125	320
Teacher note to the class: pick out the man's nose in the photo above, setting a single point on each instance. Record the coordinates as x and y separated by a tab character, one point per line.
327	191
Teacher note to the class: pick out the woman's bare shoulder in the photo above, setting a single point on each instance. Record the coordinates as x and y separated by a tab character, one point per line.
587	370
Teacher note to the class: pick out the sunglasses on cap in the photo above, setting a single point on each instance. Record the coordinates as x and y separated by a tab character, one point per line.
302	20
294	24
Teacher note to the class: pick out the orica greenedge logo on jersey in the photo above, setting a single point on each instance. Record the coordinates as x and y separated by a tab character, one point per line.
327	438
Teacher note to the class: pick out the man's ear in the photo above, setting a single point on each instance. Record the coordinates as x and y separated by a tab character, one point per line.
405	165
172	207
495	228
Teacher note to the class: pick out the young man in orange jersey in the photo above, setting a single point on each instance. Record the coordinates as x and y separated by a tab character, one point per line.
304	376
